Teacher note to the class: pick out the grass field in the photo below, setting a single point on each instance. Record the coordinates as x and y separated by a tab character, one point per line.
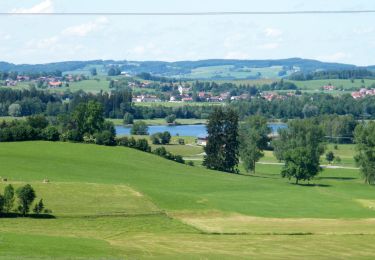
346	84
114	202
230	71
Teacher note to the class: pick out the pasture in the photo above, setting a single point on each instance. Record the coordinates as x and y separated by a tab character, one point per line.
231	71
116	202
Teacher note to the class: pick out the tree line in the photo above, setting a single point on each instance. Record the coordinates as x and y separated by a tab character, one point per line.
333	74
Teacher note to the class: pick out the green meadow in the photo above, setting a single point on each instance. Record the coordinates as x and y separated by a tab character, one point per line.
120	203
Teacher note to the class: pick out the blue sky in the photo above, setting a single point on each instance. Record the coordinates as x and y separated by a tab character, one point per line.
343	38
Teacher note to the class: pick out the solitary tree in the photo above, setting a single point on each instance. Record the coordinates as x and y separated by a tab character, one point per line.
222	147
300	146
139	128
364	137
165	137
128	119
330	156
170	119
89	117
93	72
253	140
15	110
8	198
26	196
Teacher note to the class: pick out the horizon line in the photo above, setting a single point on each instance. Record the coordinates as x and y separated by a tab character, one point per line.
218	13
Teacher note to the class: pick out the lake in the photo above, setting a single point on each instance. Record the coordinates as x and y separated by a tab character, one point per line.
183	130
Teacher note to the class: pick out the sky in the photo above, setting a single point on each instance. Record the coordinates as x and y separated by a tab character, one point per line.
344	38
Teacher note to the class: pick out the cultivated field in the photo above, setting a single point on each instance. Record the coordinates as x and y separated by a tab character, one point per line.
116	202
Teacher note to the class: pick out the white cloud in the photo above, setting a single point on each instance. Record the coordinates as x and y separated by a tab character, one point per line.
364	30
46	43
335	57
5	36
43	7
273	32
269	46
84	29
237	55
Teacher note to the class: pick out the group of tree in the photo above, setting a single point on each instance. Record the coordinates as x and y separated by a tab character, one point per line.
161	138
300	146
307	105
25	197
114	71
85	124
139	144
162	152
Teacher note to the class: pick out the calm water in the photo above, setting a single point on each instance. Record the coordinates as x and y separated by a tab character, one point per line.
183	130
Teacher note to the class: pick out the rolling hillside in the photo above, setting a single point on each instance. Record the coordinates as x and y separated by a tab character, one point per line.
118	202
203	69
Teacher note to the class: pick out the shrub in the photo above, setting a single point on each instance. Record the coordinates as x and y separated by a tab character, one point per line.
105	138
38	208
170	119
161	151
50	133
161	138
37	121
155	138
73	135
142	144
190	163
122	141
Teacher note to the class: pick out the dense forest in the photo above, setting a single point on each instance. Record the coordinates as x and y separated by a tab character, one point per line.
333	74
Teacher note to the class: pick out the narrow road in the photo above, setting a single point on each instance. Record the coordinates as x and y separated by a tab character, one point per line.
276	163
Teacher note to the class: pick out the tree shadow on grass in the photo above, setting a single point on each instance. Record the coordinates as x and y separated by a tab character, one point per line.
312	185
265	176
338	178
36	216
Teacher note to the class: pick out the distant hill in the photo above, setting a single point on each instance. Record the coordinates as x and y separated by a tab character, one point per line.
202	69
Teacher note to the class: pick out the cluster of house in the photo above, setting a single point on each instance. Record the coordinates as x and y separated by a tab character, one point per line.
136	85
146	98
329	88
363	92
273	96
13	82
50	81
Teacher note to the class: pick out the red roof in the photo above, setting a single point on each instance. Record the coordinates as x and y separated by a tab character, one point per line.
57	83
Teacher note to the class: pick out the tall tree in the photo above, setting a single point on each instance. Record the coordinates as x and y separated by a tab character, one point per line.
253	140
223	143
364	136
300	146
8	198
26	196
89	117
